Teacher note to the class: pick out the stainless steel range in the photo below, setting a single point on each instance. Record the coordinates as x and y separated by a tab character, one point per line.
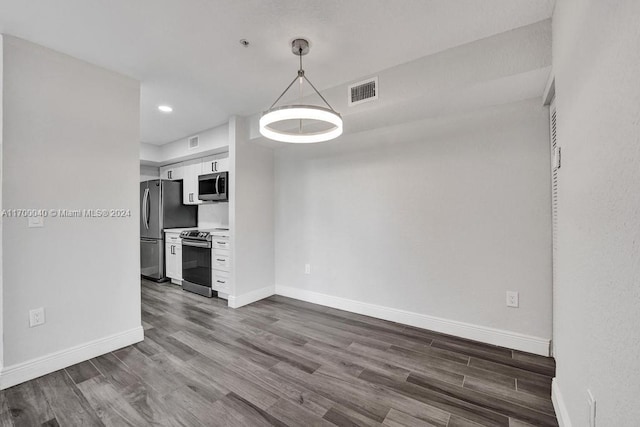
197	273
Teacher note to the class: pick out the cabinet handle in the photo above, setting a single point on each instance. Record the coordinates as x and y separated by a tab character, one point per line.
191	197
213	168
221	281
169	174
221	243
218	259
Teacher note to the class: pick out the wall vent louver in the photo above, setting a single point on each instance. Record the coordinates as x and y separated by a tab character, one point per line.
364	91
194	142
555	181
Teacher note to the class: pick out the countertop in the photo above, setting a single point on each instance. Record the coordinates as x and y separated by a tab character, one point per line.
178	230
217	233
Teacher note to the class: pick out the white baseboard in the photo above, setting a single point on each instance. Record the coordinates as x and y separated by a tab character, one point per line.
249	297
558	404
34	368
500	337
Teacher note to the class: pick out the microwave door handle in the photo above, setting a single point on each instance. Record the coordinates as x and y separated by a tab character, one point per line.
217	179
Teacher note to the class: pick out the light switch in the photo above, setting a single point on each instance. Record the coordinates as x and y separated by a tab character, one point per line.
35	221
557	158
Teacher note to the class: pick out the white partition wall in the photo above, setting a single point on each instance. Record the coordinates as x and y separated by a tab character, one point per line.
70	141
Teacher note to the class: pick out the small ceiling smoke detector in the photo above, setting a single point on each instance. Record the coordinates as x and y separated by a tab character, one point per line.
244	42
165	108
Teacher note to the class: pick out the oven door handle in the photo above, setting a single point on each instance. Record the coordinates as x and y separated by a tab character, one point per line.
196	244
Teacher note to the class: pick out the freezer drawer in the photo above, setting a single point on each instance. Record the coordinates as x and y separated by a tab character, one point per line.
152	258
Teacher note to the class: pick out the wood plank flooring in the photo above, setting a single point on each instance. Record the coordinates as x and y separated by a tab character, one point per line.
284	362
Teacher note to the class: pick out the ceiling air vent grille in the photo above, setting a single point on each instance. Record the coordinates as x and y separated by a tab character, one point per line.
363	91
194	142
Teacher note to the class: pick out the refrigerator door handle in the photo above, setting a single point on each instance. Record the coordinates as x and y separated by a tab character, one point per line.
145	208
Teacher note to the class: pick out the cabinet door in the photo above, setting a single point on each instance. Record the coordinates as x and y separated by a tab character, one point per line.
172	172
217	163
190	171
223	164
170	261
178	266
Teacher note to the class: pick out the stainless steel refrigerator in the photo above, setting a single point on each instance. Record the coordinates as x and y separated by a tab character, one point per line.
160	207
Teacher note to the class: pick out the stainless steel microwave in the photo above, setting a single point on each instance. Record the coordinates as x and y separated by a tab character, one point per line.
214	187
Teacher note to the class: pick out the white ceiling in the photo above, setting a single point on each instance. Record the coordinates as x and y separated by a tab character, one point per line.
187	53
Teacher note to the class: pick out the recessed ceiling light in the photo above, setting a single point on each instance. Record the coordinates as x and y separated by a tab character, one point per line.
165	108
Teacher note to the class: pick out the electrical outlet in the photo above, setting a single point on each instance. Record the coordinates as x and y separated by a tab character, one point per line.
307	269
512	299
591	401
36	317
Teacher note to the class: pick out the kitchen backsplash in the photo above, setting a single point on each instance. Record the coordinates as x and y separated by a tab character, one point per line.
212	215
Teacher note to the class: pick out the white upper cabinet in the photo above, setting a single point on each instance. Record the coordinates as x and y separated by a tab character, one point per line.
191	170
217	163
172	172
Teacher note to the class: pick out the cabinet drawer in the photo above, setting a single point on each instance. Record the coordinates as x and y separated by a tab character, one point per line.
173	238
221	262
220	243
221	282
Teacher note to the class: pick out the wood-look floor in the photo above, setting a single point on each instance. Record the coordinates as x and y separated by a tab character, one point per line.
285	362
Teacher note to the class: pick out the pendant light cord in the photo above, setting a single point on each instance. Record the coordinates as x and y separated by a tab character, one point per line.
301	74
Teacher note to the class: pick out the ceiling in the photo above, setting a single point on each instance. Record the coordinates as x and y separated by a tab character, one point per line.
187	53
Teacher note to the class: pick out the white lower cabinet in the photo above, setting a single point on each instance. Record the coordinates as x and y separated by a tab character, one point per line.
221	264
221	282
221	259
173	261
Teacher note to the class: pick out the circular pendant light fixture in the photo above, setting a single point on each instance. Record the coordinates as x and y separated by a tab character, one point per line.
300	123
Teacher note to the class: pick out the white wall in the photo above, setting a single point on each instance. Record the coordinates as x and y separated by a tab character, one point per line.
596	61
438	217
213	215
149	172
71	141
501	69
214	140
251	214
1	204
